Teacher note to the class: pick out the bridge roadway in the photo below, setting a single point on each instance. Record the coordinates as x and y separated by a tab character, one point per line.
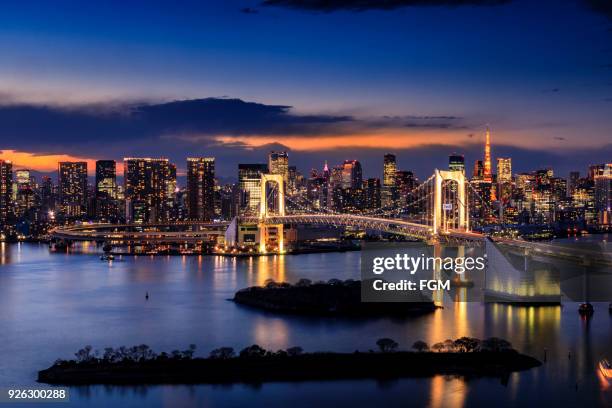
197	231
194	232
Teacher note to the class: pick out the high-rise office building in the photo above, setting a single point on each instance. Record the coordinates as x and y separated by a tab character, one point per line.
603	195
278	163
504	170
595	170
72	188
389	185
371	189
47	198
201	188
572	182
106	206
147	185
106	178
249	183
478	174
352	174
456	162
24	192
389	170
6	190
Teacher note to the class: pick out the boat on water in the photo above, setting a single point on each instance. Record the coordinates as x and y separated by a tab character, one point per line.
606	369
108	257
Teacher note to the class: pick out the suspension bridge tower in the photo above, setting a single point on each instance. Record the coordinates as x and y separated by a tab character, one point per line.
454	204
266	231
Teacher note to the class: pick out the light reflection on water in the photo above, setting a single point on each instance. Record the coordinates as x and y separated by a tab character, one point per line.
53	304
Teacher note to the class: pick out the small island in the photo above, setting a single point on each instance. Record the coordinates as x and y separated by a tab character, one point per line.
140	365
332	298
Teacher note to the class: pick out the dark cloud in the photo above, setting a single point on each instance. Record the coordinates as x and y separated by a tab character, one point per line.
57	129
600	6
363	5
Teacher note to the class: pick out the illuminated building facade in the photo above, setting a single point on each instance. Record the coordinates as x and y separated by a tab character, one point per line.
201	188
148	182
278	163
351	174
249	183
6	187
389	185
603	195
72	188
456	162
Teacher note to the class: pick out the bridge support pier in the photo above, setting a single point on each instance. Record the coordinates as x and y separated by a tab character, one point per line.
264	229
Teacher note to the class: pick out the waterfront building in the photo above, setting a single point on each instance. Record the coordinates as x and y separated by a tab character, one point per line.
249	182
148	183
201	188
106	206
603	195
6	188
72	186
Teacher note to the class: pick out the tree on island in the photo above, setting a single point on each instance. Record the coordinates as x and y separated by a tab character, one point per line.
467	344
253	351
222	353
387	345
84	354
495	344
294	351
420	346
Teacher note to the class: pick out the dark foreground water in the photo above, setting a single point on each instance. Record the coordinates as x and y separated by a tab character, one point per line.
52	304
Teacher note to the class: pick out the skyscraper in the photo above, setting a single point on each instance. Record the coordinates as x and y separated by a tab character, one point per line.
389	170
504	169
249	183
6	188
25	198
456	162
147	183
603	195
478	173
105	204
487	175
201	188
352	174
72	185
278	163
106	178
389	185
372	193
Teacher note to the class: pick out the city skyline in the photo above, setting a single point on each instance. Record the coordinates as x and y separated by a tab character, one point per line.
348	82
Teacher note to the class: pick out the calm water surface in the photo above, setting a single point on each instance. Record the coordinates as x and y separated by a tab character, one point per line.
53	304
